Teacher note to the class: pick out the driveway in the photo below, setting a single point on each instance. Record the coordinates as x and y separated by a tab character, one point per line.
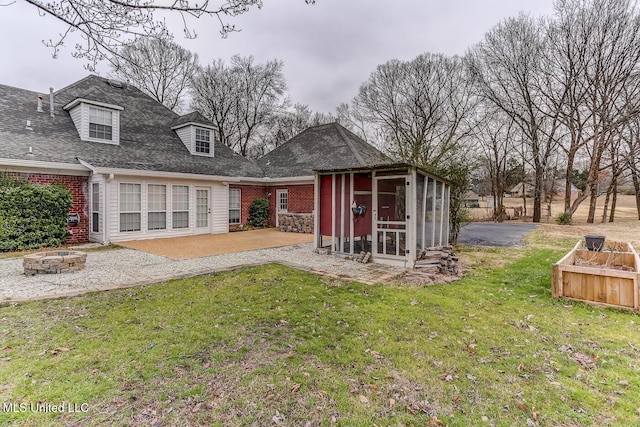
218	244
503	234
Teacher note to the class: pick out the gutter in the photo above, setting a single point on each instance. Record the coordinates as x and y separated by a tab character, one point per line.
69	168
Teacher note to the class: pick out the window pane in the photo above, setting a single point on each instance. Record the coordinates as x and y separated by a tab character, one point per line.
100	123
283	200
234	206
95	207
129	222
157	197
130	206
100	131
157	220
95	222
180	219
234	216
180	204
234	198
95	197
203	141
130	200
180	198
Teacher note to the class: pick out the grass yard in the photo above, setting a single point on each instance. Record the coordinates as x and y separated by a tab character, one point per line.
275	346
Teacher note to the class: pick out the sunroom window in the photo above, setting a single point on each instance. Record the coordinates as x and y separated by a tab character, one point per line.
180	205
130	207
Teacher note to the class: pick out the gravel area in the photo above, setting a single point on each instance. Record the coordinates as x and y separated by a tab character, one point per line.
120	268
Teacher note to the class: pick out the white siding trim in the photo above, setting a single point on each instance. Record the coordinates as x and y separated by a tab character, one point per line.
99	237
220	208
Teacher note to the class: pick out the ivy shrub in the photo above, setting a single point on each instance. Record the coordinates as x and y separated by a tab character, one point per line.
32	215
259	213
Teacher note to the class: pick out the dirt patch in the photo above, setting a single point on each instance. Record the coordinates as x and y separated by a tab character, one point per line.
216	244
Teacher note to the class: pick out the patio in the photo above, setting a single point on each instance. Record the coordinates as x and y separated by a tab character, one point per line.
218	244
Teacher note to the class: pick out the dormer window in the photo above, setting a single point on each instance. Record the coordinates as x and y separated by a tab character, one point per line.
203	141
95	121
100	123
196	133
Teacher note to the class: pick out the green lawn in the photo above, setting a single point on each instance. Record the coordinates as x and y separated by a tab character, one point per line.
275	346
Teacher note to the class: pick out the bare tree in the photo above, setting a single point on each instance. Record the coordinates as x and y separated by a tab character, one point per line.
288	123
507	66
106	26
240	99
563	85
608	37
496	136
632	139
160	68
421	109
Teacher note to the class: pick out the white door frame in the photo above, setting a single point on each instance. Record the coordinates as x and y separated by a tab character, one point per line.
203	229
279	210
383	226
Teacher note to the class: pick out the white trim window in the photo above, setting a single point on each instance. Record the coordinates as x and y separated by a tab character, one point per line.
156	207
100	123
203	141
130	207
180	206
234	205
95	207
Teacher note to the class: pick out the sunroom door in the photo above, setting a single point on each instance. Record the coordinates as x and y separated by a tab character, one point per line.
390	220
203	210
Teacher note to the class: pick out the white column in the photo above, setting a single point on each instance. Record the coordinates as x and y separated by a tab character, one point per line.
342	190
352	224
317	237
424	211
333	211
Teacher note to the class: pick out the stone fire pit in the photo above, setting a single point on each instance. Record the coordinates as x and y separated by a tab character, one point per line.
53	262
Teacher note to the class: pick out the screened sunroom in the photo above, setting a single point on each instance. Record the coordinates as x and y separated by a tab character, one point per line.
394	212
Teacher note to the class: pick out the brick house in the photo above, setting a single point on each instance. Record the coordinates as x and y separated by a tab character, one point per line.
137	170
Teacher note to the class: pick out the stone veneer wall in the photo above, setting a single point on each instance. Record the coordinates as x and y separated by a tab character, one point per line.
296	223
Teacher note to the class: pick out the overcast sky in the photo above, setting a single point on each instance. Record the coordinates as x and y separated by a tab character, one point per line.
328	49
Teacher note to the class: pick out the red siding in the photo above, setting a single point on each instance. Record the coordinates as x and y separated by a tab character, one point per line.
79	188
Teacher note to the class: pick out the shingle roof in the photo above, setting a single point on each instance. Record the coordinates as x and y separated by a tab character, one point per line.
193	117
146	139
323	147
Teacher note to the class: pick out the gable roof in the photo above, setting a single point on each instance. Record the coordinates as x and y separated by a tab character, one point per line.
323	147
147	142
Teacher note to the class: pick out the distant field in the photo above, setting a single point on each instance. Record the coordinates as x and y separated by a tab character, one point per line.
625	209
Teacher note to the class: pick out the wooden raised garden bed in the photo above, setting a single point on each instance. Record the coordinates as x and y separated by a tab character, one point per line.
608	277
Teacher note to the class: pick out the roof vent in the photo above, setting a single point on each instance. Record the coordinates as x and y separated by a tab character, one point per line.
115	83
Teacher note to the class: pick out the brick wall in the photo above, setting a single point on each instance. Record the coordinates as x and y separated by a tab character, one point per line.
79	188
300	199
248	193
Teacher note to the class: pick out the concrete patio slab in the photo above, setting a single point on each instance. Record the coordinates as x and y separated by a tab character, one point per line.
217	244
